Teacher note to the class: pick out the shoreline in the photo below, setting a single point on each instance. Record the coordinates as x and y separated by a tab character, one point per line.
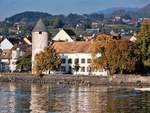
81	80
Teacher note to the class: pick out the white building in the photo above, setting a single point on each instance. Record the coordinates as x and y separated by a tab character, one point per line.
9	58
77	52
39	41
65	35
15	54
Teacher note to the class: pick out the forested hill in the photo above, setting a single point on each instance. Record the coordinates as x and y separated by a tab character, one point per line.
71	18
28	16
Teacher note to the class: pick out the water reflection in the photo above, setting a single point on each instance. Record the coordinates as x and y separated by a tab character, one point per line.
92	100
39	98
7	98
26	98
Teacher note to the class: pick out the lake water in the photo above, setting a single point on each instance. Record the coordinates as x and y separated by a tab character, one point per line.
26	98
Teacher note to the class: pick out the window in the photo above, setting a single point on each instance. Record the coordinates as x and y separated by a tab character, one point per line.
76	61
63	60
40	32
70	70
69	61
89	69
89	60
82	60
82	69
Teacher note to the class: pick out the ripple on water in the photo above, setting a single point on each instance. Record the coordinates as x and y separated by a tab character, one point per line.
17	98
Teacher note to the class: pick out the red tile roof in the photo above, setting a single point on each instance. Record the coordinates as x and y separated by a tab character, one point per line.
73	47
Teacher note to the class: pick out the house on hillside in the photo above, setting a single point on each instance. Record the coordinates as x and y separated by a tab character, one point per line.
66	35
80	53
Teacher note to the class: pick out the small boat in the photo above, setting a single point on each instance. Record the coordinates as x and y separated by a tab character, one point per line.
142	89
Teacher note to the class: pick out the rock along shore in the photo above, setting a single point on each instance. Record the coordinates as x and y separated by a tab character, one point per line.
125	80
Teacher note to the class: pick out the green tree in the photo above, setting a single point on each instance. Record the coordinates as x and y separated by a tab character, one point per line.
24	62
47	60
143	43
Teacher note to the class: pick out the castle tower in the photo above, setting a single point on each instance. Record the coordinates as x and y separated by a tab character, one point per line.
39	41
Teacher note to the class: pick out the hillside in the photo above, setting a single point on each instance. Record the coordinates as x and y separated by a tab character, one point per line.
138	13
144	12
128	12
54	20
28	16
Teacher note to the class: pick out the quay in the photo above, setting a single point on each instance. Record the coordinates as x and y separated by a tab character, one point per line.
124	80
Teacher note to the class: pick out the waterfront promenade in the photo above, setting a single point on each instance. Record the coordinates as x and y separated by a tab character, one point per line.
124	80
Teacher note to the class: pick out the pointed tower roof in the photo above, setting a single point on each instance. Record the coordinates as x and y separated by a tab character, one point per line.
39	26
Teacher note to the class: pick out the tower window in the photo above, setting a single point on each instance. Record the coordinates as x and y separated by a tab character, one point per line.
40	32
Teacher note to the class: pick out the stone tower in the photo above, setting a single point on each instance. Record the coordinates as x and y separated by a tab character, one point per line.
39	41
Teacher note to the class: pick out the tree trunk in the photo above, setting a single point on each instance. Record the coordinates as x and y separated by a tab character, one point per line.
121	72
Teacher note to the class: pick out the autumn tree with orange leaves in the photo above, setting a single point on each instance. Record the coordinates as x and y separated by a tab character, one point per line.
47	60
116	55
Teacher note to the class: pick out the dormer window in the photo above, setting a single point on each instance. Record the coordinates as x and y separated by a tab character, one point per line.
40	32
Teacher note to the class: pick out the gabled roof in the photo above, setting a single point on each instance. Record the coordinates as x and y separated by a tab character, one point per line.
39	26
69	32
62	35
73	47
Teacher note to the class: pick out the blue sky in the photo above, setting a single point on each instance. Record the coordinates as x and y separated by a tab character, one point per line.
11	7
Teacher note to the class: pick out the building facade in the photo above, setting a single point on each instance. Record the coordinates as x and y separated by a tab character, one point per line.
77	53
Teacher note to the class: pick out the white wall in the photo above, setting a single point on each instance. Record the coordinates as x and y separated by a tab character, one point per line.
15	55
80	56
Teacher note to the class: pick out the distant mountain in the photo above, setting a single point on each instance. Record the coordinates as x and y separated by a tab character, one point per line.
144	12
128	12
111	10
137	13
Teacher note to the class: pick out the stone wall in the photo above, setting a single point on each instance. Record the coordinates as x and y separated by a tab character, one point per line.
130	79
77	79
